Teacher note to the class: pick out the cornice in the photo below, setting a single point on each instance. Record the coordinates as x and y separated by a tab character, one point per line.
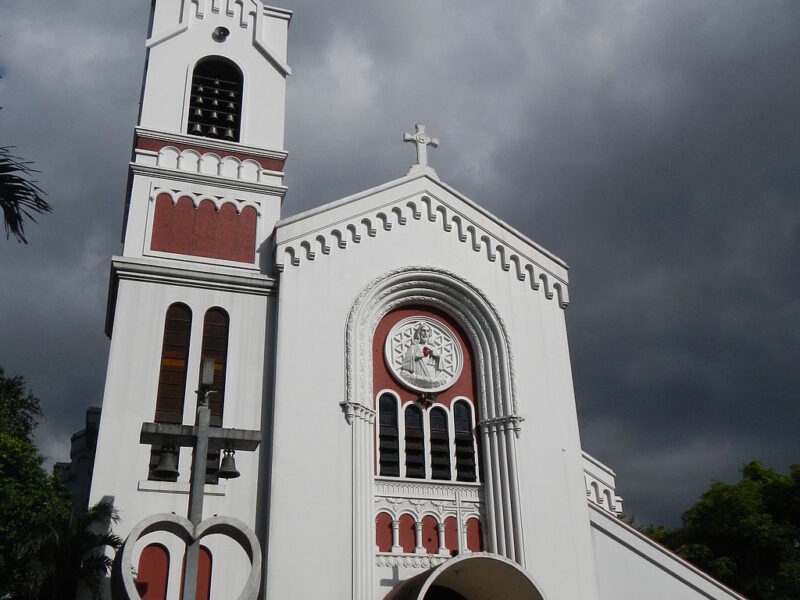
422	207
211	143
200	276
204	179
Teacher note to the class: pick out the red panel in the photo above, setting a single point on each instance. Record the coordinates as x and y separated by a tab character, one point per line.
383	532
430	534
154	145
451	534
474	535
203	574
382	379
153	572
181	229
407	537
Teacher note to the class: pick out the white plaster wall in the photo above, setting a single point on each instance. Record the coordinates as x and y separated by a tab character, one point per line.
182	34
632	567
313	487
121	466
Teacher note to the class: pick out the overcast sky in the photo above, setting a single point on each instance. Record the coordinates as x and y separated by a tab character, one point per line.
654	146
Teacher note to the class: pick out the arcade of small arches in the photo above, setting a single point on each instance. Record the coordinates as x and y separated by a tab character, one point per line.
426	535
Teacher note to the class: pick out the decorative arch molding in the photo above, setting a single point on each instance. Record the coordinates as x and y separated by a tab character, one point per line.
427	209
476	576
196	198
498	420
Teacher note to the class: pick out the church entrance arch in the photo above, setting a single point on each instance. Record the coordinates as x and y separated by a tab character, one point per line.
479	576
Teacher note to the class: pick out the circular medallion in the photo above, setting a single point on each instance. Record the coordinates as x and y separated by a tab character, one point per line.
423	354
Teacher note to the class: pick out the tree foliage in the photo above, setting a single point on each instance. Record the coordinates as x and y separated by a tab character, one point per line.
45	550
746	534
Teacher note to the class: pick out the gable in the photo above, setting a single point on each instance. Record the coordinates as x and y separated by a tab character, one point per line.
348	224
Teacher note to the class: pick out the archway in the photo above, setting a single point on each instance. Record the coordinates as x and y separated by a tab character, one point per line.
479	576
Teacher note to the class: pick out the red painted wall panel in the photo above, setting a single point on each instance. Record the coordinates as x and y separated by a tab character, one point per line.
181	228
152	573
430	534
407	535
383	532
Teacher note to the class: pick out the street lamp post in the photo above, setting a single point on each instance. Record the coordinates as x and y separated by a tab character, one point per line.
202	437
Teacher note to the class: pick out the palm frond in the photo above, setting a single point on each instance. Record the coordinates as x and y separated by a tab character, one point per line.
20	195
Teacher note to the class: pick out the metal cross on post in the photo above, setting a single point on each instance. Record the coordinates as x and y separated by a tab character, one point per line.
422	140
202	437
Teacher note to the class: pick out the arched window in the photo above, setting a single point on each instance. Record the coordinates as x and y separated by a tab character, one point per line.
388	445
440	444
415	443
174	356
172	374
215	346
465	442
215	108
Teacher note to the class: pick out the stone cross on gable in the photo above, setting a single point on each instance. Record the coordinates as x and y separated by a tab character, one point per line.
422	140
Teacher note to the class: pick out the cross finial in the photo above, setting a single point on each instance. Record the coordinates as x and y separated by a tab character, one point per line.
422	140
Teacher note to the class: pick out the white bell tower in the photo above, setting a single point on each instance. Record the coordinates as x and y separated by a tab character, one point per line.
194	279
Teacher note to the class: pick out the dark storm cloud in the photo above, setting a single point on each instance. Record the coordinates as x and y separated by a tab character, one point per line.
655	146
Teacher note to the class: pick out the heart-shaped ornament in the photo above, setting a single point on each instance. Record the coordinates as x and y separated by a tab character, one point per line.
123	585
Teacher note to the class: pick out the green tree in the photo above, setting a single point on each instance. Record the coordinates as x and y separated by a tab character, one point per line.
45	550
746	534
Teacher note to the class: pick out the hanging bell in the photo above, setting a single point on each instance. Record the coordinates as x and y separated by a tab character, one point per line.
198	112
215	116
230	134
213	132
227	468
230	118
167	467
198	100
197	129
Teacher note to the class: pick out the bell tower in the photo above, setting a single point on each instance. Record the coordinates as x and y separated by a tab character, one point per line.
194	280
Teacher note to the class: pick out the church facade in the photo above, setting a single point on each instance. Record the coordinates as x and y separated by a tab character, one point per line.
400	355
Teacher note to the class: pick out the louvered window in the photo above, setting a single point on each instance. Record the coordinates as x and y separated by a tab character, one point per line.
215	107
415	443
388	437
215	345
465	442
440	444
172	373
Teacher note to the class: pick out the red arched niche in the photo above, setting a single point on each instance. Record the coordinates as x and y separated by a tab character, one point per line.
383	532
153	572
382	379
203	574
226	234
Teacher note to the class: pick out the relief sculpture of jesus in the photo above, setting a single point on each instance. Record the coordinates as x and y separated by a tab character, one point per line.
421	361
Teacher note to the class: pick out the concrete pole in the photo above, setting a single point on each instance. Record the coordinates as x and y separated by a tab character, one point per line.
196	493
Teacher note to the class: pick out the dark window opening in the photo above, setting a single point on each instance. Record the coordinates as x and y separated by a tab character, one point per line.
465	442
215	345
172	374
415	443
388	442
440	444
215	107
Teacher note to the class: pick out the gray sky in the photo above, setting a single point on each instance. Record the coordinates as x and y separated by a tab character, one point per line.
655	146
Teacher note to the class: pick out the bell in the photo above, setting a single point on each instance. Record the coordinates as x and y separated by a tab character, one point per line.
230	118
229	134
213	132
197	129
167	467
198	112
198	100
215	116
227	468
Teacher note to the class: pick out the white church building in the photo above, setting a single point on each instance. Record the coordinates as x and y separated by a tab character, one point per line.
400	353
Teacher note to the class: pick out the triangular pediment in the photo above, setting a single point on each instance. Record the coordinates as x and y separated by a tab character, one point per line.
348	223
